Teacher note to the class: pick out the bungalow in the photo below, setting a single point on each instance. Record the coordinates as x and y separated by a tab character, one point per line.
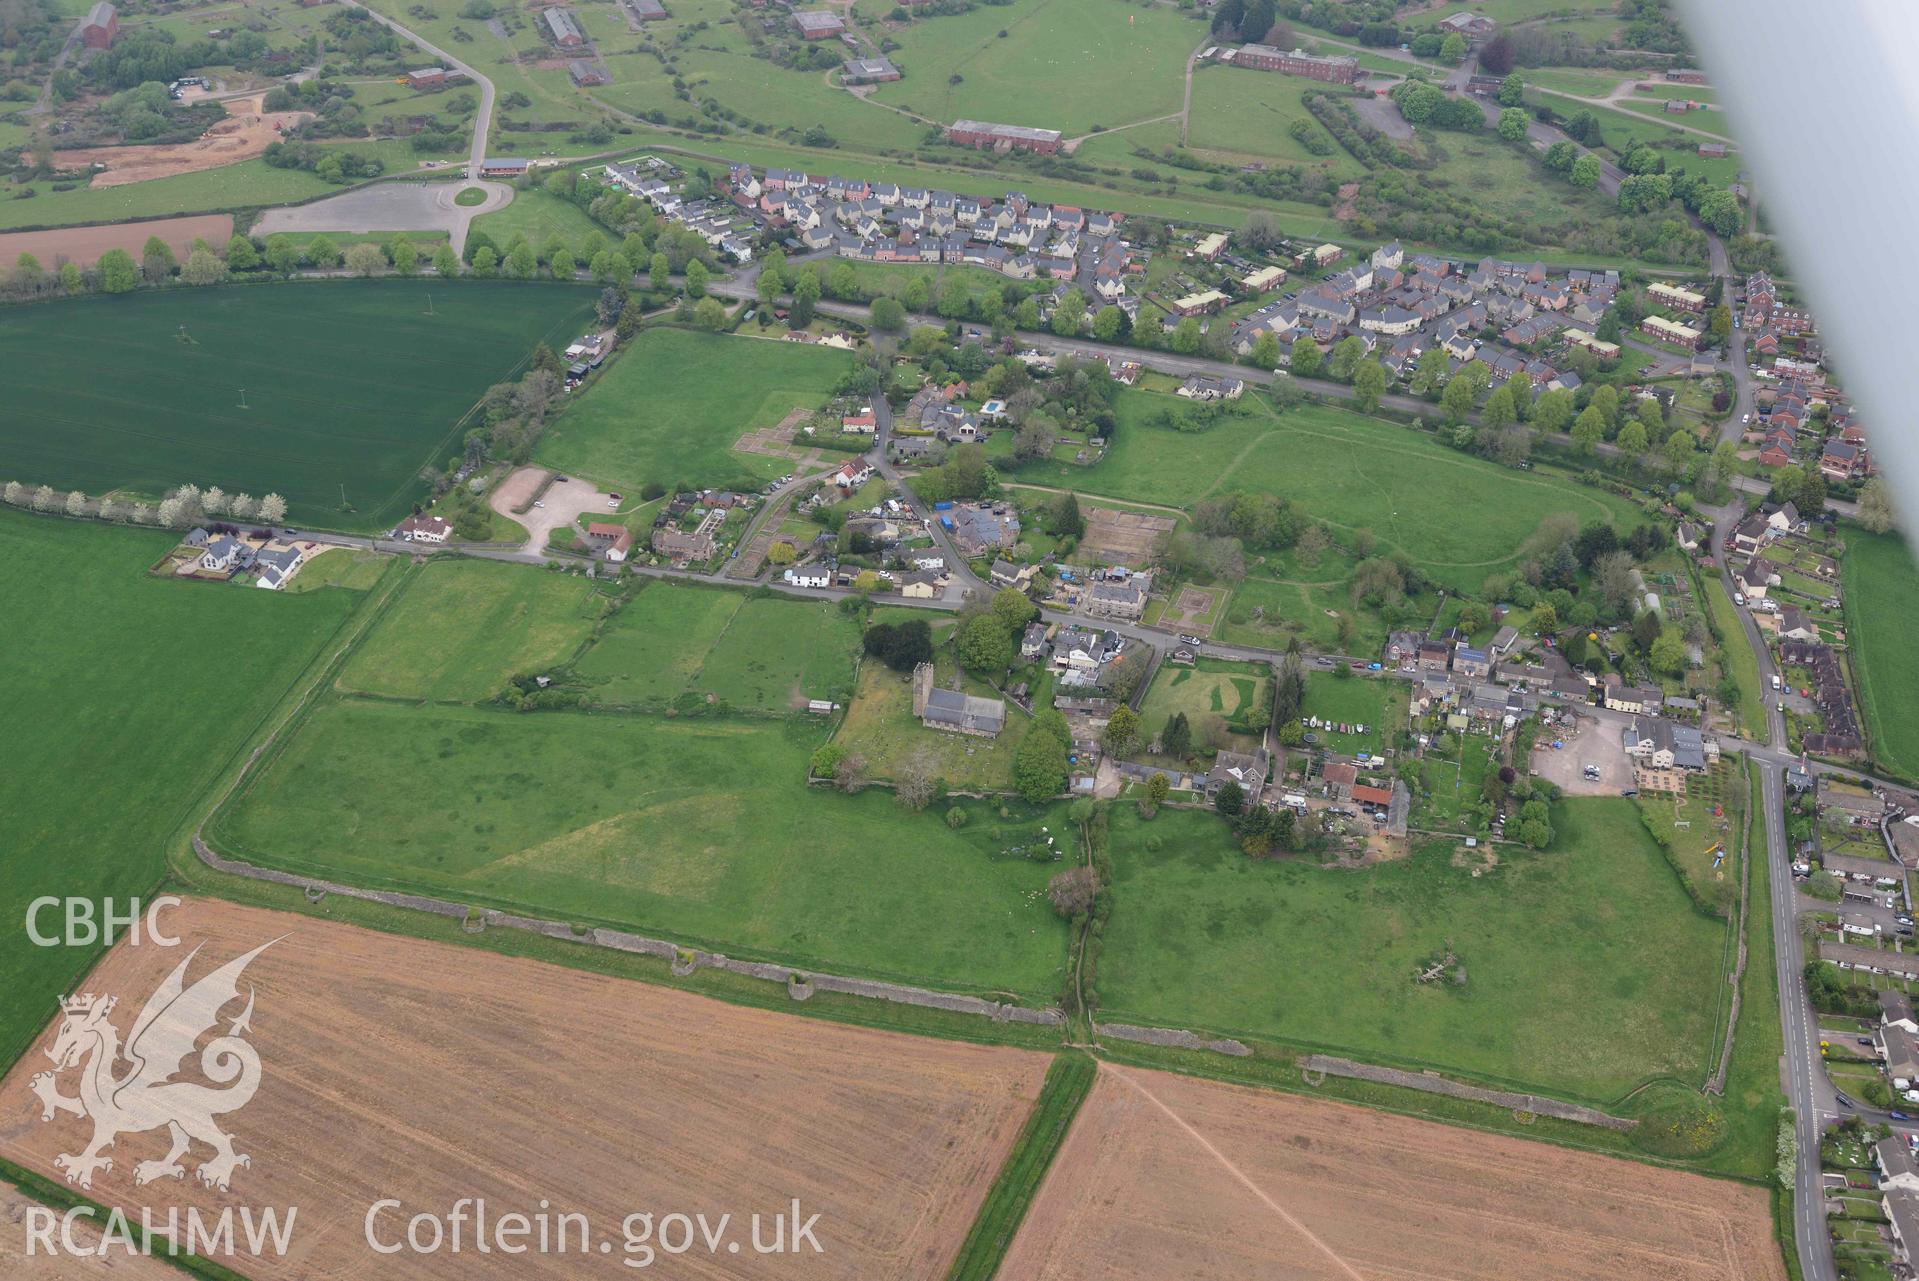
862	422
275	565
1206	387
923	584
851	474
422	529
1794	625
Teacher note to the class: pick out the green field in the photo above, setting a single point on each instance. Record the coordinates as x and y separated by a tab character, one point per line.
350	386
750	653
1457	516
1375	702
462	627
1063	64
127	694
1881	581
538	215
247	184
1235	694
1248	113
701	830
1593	934
673	405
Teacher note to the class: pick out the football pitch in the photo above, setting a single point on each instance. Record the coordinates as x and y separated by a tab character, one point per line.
334	395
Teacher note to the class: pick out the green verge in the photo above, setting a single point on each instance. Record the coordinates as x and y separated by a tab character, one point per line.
1881	578
1739	659
1068	1081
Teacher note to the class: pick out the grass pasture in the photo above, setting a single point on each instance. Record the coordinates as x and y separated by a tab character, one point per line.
461	628
1881	578
350	386
880	726
1063	64
1246	112
672	406
1459	517
700	830
142	688
674	641
1594	933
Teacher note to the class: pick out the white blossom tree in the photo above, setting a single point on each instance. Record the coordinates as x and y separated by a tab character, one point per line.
43	499
214	501
15	493
76	504
244	506
109	510
141	514
273	509
173	513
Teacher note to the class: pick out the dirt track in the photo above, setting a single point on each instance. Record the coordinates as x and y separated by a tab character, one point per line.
84	245
1224	1182
428	1072
243	135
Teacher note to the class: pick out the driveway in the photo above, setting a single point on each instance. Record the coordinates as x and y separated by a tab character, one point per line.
563	503
1586	742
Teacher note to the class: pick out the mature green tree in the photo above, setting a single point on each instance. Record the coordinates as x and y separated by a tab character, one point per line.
1369	384
1632	439
1585	171
1498	410
1108	323
241	255
1512	124
1606	401
1065	519
283	255
888	315
1721	324
1347	353
1121	734
1289	690
659	271
806	297
406	258
696	277
1453	48
1668	654
1176	740
322	252
1039	764
156	260
1069	317
1457	399
1875	507
1230	800
1512	91
28	274
1157	788
118	275
1265	352
1305	362
1589	430
983	643
1186	337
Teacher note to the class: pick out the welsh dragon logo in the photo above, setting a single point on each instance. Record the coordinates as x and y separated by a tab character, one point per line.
131	1089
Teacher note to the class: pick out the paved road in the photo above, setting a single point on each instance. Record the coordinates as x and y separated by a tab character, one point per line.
1808	1091
483	120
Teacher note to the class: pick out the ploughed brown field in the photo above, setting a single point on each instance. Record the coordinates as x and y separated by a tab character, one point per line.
85	245
427	1072
1166	1176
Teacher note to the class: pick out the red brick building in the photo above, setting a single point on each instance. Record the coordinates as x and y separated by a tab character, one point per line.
979	133
1340	71
817	24
101	26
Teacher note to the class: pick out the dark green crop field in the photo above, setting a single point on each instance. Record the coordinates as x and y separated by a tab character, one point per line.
350	387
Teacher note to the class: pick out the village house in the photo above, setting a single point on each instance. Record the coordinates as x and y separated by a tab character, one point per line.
1248	769
1630	698
680	546
419	528
1124	600
273	566
1663	744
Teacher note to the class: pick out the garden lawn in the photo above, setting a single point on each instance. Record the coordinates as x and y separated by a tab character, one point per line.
1588	970
126	695
702	831
461	628
674	403
1458	517
1235	694
1881	582
351	387
1378	703
880	727
1062	64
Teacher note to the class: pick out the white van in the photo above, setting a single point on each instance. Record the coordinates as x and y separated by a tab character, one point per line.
1775	680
